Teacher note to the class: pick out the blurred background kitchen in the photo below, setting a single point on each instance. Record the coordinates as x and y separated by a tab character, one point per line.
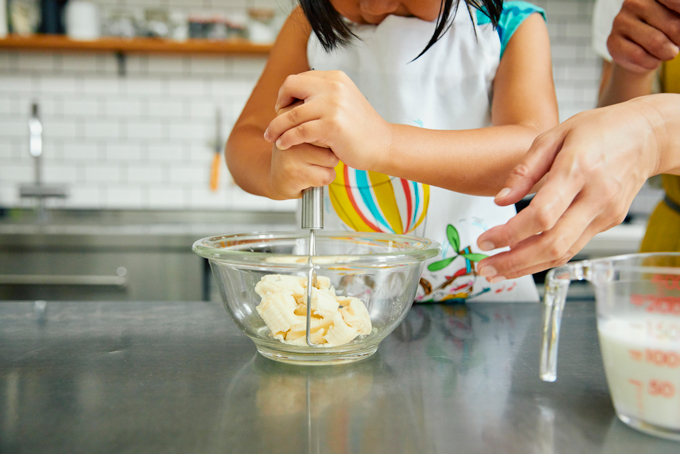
128	106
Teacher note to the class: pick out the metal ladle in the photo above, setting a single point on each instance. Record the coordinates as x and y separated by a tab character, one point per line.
312	219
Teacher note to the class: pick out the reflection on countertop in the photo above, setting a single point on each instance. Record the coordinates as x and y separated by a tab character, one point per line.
180	377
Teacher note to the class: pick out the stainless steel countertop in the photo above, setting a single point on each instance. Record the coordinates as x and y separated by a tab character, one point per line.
179	377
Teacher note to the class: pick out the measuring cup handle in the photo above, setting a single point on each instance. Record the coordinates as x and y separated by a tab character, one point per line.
556	287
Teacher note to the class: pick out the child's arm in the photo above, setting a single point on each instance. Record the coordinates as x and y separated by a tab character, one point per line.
255	166
469	161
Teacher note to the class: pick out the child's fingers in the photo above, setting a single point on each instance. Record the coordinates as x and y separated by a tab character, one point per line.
297	86
312	132
317	156
292	118
535	164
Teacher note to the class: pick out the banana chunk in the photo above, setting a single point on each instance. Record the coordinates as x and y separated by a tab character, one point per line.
340	333
277	311
323	304
354	313
334	321
276	283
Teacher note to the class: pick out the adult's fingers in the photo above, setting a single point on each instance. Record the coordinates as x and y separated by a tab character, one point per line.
650	25
532	268
551	245
673	5
536	163
663	16
546	208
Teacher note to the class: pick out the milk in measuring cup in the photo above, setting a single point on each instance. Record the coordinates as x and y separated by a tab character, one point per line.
642	363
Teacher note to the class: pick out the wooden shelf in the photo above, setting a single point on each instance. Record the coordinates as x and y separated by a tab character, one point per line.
134	45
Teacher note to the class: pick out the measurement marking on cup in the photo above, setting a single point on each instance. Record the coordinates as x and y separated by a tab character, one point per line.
656	357
638	396
657	304
667	281
661	388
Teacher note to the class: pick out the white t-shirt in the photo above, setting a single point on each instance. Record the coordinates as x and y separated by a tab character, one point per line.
447	88
603	16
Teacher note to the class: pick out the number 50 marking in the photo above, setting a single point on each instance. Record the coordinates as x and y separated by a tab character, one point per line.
661	388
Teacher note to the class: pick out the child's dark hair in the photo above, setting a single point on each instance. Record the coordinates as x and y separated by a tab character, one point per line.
332	30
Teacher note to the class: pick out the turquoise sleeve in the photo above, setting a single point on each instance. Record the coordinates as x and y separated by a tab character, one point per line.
514	13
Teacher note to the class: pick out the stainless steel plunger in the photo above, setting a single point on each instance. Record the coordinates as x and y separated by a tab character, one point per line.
312	219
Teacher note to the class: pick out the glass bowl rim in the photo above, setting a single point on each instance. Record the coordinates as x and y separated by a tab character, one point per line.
428	249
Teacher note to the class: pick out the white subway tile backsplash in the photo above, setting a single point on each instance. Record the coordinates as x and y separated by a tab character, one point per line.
21	172
191	174
165	108
148	173
102	129
36	61
185	130
145	130
142	87
166	152
80	150
232	87
211	66
73	106
175	66
13	127
186	87
16	85
129	196
85	196
54	172
110	86
123	107
143	140
171	197
57	85
129	151
102	173
202	198
77	63
9	194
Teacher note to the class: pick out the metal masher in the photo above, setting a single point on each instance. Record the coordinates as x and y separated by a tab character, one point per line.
312	219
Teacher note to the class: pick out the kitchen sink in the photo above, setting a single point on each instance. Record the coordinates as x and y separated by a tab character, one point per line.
116	254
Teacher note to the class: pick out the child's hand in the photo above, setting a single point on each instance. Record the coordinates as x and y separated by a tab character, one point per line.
300	167
334	114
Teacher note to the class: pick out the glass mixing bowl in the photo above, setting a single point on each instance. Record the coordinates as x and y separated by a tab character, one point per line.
382	270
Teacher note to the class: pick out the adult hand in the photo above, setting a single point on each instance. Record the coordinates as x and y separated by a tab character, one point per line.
594	165
333	114
645	33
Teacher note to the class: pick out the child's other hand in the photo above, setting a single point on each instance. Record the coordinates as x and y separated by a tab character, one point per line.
300	167
333	113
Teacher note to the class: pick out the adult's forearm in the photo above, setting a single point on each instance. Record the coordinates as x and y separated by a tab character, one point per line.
620	84
663	113
475	161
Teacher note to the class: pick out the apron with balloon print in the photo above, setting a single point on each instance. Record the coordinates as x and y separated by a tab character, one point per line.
447	88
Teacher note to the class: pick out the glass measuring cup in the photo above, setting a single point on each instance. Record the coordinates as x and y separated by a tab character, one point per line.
638	322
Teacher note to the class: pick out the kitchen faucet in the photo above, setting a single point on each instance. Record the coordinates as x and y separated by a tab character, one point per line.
38	190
